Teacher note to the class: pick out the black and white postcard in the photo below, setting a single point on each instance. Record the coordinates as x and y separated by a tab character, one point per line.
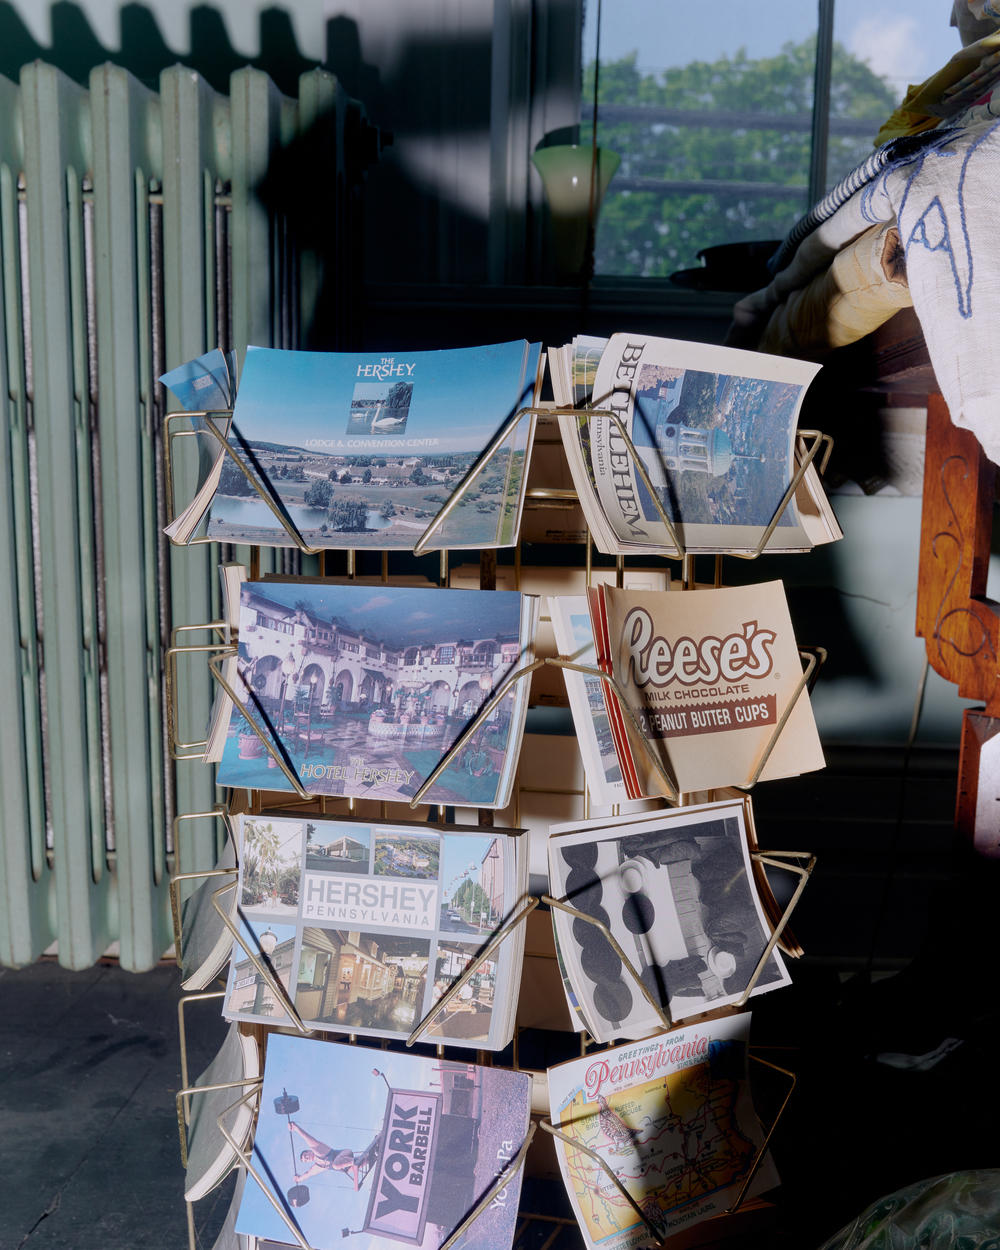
676	888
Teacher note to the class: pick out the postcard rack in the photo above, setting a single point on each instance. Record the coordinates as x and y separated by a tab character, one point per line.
207	422
219	884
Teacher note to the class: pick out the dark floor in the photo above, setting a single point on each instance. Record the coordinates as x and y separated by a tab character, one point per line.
89	1061
89	1068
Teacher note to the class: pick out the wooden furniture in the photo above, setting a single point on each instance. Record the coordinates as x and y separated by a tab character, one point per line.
959	624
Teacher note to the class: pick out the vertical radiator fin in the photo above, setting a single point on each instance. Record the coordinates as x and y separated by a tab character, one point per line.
260	118
55	164
124	128
196	140
26	918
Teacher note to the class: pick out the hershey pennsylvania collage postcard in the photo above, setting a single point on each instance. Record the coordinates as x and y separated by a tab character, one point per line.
363	450
672	1118
715	430
365	926
677	890
708	676
371	1149
361	690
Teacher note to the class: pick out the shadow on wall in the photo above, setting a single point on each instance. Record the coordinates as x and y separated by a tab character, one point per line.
420	228
435	100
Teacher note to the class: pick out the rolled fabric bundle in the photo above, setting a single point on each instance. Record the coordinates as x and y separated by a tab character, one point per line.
864	285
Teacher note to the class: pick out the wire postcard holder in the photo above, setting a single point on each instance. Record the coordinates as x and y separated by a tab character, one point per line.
788	860
524	910
262	726
810	443
284	1211
213	813
671	791
268	735
266	973
195	748
200	948
262	967
221	654
190	1090
801	864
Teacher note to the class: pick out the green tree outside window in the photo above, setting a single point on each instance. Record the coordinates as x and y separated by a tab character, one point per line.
739	126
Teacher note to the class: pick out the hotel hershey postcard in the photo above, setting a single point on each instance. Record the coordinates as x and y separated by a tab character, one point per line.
363	450
708	675
672	1118
361	690
374	1149
366	926
715	430
676	888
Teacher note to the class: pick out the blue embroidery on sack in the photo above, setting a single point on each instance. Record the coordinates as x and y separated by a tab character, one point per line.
940	227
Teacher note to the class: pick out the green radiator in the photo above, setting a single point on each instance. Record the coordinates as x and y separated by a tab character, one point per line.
131	239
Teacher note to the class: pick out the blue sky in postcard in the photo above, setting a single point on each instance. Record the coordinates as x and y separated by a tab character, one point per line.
402	615
342	1103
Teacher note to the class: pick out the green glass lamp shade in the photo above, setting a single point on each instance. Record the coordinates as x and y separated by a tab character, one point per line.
565	171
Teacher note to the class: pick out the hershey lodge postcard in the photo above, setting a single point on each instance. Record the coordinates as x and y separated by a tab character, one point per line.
362	689
363	450
367	925
369	1149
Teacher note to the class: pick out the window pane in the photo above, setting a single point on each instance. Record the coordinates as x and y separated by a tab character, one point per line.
709	107
880	47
